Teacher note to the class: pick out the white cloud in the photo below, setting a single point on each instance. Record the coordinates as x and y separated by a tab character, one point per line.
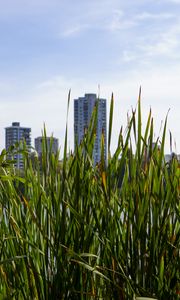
87	16
118	24
122	20
128	56
167	43
160	44
74	30
143	16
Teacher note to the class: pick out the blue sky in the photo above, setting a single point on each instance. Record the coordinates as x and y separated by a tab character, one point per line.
50	46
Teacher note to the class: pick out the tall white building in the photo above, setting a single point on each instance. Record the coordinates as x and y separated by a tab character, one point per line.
16	134
83	108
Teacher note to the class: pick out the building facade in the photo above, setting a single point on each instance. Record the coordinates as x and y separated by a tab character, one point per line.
51	142
83	108
15	134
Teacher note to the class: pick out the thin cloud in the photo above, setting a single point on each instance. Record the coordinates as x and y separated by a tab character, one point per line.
118	24
144	16
121	21
128	56
167	44
147	44
92	16
74	30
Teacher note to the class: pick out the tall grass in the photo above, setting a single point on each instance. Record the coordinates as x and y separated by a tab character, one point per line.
70	230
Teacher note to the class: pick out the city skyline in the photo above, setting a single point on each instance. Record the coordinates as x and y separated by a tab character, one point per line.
49	47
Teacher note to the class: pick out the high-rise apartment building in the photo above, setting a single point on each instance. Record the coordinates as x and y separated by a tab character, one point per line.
83	108
16	134
51	142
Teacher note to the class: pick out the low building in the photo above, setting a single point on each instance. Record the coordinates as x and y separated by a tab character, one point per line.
50	143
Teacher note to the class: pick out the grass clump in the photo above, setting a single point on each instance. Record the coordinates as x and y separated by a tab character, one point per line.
70	230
